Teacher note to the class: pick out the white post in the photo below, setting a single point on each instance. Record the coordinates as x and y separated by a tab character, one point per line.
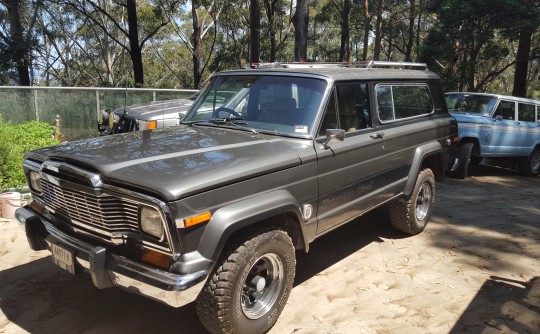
97	104
36	104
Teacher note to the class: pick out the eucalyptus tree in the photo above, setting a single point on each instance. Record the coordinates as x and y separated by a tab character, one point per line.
301	24
134	33
17	19
476	42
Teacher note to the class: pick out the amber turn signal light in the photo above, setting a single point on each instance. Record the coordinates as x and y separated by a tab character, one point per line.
152	125
156	258
198	219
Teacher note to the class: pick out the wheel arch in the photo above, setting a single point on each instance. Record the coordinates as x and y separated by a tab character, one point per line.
476	144
429	156
277	209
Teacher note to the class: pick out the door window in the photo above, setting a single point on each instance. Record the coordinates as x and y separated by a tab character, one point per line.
348	109
506	110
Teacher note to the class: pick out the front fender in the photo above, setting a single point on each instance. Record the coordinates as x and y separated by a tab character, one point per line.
231	218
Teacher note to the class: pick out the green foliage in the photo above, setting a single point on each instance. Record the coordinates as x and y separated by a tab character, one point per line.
15	141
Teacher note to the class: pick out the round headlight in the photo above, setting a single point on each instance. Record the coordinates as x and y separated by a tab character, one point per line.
35	181
151	223
103	116
113	118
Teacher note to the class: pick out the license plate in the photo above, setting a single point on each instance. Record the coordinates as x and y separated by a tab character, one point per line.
63	258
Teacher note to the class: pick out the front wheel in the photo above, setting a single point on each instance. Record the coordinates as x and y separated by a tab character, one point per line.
464	159
411	214
530	165
248	290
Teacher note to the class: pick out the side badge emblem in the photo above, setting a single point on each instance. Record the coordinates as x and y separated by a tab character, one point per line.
307	211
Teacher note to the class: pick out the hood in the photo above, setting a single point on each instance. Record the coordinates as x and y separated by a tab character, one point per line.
179	161
462	117
157	109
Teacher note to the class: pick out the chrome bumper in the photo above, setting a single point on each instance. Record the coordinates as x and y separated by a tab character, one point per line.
108	270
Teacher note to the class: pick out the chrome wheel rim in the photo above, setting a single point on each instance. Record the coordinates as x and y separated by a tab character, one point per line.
423	201
262	286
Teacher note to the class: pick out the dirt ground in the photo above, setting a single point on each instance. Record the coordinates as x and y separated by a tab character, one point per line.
475	269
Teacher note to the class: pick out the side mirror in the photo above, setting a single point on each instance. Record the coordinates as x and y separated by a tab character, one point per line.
333	136
499	118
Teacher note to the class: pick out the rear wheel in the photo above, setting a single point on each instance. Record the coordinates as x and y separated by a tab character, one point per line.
464	159
529	166
411	214
249	289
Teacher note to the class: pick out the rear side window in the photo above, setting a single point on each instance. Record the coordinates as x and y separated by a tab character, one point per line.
395	102
526	112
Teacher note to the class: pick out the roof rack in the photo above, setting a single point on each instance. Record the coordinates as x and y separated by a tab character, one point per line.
363	64
396	64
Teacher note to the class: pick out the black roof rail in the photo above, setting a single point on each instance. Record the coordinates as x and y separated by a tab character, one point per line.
364	64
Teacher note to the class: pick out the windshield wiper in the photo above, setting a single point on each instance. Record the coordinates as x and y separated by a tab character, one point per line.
235	122
192	122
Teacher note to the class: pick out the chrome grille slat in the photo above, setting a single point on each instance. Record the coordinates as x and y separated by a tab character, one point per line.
105	212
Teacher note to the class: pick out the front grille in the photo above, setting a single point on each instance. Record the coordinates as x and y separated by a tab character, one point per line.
126	124
105	215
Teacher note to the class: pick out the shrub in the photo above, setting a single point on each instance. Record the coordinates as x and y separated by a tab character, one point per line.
15	141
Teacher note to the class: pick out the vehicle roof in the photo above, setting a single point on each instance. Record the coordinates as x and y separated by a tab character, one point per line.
506	97
342	73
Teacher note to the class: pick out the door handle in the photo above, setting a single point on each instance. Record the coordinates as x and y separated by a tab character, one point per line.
378	135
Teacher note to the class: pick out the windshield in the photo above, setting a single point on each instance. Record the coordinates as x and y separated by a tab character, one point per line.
471	103
266	103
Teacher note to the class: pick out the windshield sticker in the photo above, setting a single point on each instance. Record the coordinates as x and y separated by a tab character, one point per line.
300	129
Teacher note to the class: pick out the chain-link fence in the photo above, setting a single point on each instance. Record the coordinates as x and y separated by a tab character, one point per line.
77	107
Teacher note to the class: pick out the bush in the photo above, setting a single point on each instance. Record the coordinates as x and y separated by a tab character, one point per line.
15	141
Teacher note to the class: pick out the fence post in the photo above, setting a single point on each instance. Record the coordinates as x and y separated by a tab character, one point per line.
97	104
36	104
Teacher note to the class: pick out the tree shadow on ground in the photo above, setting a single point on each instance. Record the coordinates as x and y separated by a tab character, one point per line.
504	305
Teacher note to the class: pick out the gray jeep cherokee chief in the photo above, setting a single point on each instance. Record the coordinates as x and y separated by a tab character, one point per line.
266	161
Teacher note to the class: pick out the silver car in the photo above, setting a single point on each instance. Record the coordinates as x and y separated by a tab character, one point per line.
146	116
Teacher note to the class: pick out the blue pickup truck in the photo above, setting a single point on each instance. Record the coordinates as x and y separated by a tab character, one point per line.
496	126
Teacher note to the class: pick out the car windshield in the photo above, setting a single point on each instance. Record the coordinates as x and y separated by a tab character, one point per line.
471	103
265	103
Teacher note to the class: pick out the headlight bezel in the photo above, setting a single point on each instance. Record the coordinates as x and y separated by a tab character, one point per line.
151	222
35	181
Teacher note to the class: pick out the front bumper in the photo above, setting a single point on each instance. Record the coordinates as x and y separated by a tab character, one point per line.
109	270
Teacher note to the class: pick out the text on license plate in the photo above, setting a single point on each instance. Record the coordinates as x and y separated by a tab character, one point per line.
63	258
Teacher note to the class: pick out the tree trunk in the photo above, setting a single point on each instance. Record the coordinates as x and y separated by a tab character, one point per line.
196	46
418	31
410	34
301	20
367	24
378	31
345	49
134	46
254	32
19	48
522	63
271	15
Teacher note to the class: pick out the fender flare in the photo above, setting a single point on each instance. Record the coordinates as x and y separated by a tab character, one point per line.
231	218
420	154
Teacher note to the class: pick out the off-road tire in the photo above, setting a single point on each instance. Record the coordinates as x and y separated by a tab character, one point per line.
464	157
225	303
530	165
411	214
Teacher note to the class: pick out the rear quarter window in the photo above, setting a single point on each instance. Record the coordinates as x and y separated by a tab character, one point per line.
396	102
526	112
